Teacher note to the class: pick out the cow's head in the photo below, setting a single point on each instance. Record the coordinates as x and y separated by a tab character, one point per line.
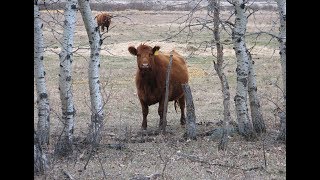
107	20
145	56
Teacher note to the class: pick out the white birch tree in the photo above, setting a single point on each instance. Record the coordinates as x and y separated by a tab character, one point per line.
64	145
43	127
95	42
282	41
238	38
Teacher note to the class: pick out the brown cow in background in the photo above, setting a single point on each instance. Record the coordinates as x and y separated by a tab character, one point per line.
151	79
104	20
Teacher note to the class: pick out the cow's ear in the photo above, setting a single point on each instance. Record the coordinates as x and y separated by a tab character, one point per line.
132	50
155	49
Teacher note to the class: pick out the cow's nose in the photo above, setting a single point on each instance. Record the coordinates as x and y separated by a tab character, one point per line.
144	65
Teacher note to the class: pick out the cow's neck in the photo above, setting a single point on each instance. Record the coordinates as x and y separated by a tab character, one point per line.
148	79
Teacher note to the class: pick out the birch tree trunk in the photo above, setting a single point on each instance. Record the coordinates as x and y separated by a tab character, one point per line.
282	42
97	115
256	115
191	117
238	38
215	7
43	128
40	163
64	146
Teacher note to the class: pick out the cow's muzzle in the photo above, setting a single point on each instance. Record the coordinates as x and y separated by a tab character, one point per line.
145	66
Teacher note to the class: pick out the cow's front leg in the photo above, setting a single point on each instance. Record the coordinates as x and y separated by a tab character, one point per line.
145	111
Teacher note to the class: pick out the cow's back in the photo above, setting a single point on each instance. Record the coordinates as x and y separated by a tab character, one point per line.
100	19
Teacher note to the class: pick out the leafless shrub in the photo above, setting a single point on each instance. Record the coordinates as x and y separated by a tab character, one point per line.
266	7
52	6
121	7
146	6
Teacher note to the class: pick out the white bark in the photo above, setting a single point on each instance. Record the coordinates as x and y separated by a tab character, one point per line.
244	124
93	71
39	75
256	115
282	42
40	163
65	85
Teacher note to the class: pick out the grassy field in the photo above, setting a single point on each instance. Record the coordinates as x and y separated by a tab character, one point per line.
167	155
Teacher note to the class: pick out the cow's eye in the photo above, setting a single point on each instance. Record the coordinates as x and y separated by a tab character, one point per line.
138	55
150	55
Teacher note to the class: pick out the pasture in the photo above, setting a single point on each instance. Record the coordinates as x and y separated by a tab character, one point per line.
168	155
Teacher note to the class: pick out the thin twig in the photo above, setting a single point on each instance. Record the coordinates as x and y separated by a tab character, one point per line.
67	174
165	161
104	172
264	154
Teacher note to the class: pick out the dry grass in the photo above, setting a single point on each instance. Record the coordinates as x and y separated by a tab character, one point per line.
181	160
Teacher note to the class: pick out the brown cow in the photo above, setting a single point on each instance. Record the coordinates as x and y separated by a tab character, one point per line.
104	20
151	78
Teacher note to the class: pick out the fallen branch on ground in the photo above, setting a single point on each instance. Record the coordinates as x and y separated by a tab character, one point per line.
195	158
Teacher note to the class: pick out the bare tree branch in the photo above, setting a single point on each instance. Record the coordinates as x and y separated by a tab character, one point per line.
263	32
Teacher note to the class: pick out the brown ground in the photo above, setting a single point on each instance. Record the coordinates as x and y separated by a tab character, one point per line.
167	155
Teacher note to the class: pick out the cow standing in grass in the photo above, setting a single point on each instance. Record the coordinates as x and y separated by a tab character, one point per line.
151	79
104	20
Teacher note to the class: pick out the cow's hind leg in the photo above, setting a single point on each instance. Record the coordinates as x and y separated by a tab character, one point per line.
182	104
